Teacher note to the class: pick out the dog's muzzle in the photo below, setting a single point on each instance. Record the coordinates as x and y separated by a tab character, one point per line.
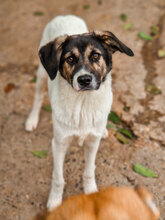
85	81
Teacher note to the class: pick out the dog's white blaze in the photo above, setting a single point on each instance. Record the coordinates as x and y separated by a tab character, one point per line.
82	72
152	205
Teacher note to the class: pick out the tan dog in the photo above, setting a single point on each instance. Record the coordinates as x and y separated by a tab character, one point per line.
114	203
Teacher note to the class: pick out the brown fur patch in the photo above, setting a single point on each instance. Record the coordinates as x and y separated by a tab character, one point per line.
74	52
89	49
58	41
67	71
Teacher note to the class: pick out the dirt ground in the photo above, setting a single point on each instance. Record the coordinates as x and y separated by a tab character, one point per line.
25	179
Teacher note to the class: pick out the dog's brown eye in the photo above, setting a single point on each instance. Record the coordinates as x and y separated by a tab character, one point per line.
95	56
70	59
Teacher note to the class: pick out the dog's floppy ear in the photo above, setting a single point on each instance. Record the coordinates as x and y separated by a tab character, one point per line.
50	56
110	40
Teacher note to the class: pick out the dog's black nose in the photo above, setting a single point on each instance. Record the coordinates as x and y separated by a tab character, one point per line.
84	80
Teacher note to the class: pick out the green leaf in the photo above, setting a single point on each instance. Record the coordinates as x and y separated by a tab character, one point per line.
47	108
121	138
40	154
38	13
86	7
144	36
123	17
111	126
126	132
99	2
114	118
33	80
140	169
128	26
153	89
154	30
161	53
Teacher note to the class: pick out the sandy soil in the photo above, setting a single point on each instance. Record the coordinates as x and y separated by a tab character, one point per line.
25	179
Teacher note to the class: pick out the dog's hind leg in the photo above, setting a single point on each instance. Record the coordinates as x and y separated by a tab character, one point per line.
33	118
91	148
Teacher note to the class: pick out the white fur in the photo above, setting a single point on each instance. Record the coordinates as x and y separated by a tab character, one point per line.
75	113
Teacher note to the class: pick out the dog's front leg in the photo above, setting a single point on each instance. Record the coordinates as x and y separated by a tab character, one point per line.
91	148
59	149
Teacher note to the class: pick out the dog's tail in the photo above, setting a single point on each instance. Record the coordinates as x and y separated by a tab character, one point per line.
148	200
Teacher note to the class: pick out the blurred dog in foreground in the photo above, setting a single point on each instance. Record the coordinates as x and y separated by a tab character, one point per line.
113	203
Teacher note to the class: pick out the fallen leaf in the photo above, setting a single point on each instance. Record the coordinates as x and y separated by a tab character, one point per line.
153	89
121	138
47	108
40	154
126	132
111	126
38	13
144	36
86	7
128	26
154	30
33	80
123	17
9	87
161	53
140	169
114	118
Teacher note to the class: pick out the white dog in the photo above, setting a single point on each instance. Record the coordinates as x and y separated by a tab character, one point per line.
78	64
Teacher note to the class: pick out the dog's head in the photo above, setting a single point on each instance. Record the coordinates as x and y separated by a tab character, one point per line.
83	60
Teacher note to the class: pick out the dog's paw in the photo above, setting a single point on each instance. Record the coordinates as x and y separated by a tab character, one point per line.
106	134
53	201
90	185
31	123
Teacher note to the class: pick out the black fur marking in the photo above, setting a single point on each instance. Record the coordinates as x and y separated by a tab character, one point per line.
122	47
48	57
114	44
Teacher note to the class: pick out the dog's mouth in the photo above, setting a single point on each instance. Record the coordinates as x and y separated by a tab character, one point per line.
89	88
80	88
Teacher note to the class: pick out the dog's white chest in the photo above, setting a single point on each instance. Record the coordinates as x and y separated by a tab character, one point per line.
80	113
